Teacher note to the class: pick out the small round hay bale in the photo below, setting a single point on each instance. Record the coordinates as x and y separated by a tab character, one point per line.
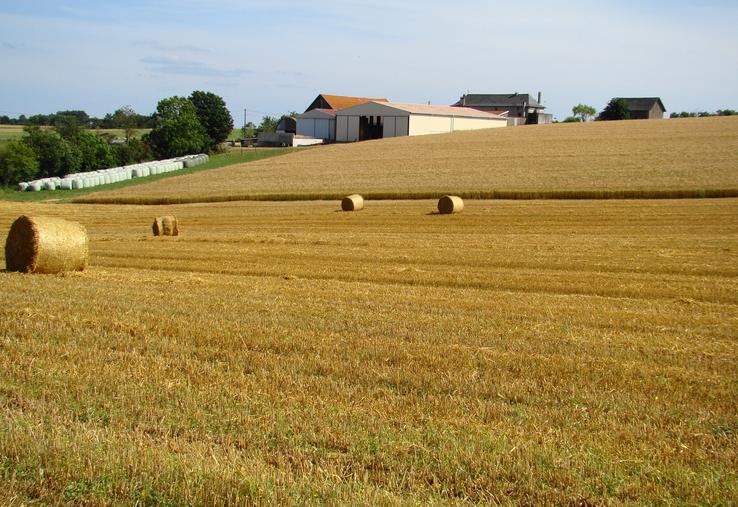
353	202
450	204
22	186
41	244
165	226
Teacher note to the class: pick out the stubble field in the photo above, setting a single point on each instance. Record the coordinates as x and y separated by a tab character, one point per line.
581	160
521	352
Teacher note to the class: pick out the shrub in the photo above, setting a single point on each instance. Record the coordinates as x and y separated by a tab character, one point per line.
18	163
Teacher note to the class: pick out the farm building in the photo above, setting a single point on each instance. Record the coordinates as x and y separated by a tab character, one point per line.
645	108
319	119
376	120
336	102
522	108
318	123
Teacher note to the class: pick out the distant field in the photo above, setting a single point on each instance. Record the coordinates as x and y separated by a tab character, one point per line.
636	156
11	132
530	353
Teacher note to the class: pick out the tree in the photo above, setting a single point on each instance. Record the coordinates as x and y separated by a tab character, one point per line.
583	112
127	119
68	127
82	118
18	162
268	124
132	152
214	117
616	109
94	150
248	130
177	130
56	156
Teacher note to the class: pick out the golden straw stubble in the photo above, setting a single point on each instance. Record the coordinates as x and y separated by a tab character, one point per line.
353	202
450	204
165	226
40	244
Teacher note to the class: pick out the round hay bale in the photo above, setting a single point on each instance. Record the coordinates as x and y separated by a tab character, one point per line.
165	226
22	186
353	202
450	204
41	244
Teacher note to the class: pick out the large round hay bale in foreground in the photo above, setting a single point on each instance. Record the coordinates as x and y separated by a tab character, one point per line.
41	244
165	226
353	202
450	204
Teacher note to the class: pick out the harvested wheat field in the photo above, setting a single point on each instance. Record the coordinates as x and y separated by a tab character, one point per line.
638	156
543	352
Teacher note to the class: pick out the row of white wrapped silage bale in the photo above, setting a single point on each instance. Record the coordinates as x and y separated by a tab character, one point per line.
91	179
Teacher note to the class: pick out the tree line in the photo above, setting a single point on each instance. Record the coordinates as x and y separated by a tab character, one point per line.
179	126
617	109
119	119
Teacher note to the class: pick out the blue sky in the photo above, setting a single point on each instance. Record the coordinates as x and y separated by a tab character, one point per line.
275	56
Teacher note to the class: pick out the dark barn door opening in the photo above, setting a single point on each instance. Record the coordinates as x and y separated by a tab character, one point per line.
371	127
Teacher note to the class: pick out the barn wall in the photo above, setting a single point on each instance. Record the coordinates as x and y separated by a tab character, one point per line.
306	127
352	134
423	125
342	129
477	123
402	127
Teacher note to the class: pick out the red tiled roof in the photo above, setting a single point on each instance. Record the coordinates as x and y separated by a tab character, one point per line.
340	102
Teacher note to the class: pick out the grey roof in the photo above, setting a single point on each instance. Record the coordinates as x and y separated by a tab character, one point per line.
498	100
642	103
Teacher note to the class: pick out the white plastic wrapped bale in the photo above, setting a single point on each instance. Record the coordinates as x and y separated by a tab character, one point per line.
78	184
65	184
34	186
22	186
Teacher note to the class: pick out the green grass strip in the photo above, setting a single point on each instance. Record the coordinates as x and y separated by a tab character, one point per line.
216	161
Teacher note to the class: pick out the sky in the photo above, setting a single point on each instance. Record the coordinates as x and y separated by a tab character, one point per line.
271	57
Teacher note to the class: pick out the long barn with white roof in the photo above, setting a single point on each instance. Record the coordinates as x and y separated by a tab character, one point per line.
377	120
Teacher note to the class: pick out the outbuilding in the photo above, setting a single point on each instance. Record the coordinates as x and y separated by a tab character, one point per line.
645	108
318	123
377	120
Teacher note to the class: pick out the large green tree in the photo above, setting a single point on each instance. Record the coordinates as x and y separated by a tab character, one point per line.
616	109
56	156
18	162
95	151
177	130
214	117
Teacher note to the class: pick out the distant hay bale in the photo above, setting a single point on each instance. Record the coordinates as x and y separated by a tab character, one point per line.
165	226
353	202
450	204
41	244
22	186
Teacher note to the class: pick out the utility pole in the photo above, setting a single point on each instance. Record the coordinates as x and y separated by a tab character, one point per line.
243	132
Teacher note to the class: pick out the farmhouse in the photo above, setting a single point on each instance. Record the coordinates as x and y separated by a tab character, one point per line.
376	120
522	108
319	119
645	108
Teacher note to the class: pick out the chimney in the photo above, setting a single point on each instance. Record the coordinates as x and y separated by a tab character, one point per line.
539	99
